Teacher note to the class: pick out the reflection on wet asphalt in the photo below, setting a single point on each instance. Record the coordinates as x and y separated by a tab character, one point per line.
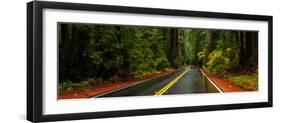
191	82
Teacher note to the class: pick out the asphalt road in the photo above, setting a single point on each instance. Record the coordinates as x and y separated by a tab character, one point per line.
183	81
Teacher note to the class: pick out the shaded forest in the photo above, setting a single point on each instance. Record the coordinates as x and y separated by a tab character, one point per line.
96	53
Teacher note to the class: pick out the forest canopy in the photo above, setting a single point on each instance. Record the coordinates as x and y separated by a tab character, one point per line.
114	52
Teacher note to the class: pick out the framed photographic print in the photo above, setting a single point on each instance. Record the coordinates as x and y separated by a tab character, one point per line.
94	61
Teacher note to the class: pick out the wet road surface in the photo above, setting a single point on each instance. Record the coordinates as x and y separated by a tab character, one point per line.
183	81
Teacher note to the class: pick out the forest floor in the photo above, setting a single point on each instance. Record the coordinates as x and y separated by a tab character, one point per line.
224	84
94	90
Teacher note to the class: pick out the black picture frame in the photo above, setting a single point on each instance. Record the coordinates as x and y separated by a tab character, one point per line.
34	60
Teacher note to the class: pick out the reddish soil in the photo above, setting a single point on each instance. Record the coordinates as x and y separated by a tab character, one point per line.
222	83
76	93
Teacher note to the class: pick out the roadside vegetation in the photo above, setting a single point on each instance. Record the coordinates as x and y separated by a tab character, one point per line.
232	55
248	82
97	54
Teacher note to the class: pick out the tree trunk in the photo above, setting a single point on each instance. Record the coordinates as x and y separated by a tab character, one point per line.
210	44
125	54
196	47
174	46
241	48
249	40
252	48
254	58
64	50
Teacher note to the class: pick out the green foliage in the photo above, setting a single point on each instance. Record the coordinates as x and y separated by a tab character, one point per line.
180	61
202	54
100	52
217	61
195	44
248	82
103	52
148	53
108	52
73	38
69	84
162	63
221	60
96	58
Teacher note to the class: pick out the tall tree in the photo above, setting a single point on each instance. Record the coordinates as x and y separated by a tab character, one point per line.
210	44
254	58
174	46
241	48
196	45
252	48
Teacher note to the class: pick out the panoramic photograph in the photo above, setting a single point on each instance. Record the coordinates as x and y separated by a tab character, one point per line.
97	61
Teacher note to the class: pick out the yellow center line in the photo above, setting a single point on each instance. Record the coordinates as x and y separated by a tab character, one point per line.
163	90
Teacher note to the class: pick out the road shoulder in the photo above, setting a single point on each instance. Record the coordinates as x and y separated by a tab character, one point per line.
221	83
